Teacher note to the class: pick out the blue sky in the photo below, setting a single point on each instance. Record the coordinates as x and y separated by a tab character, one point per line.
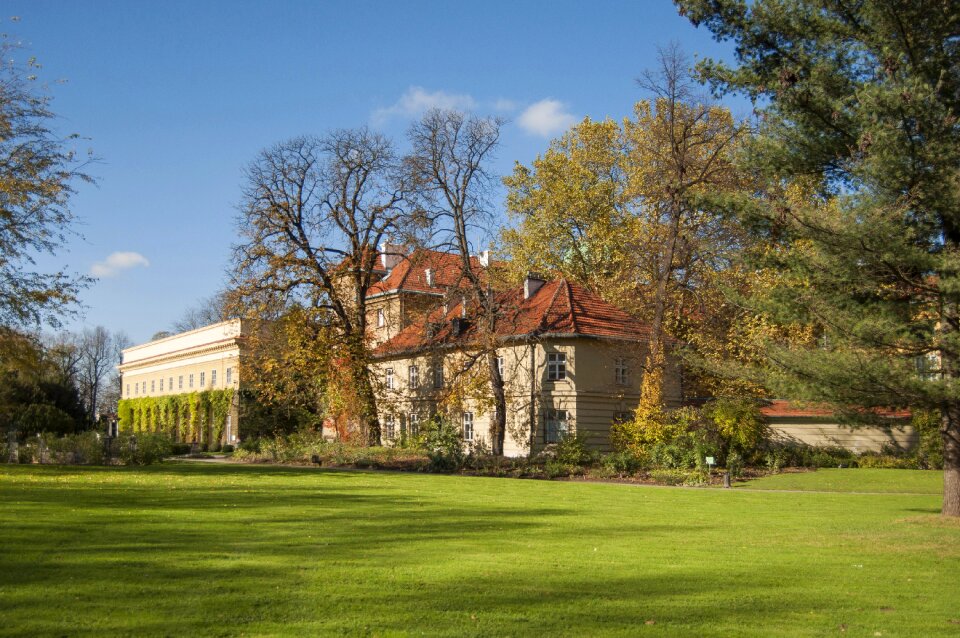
176	97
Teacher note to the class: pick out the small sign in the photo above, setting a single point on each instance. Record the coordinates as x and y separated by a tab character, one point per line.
710	460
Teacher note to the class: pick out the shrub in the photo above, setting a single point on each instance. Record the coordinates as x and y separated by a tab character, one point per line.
738	424
444	445
227	449
887	461
554	468
179	449
622	463
734	464
929	452
572	450
147	450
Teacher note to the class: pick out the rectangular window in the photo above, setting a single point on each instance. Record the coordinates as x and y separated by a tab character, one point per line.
557	421
388	380
180	382
170	384
191	380
203	376
144	387
468	426
153	385
413	423
381	318
389	427
500	366
136	388
621	371
161	384
229	376
213	378
438	376
414	377
556	366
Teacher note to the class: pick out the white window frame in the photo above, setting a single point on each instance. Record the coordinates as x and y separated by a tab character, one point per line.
180	383
170	384
557	423
213	378
203	378
381	318
390	427
467	422
621	371
191	380
388	378
413	424
229	376
413	377
556	366
161	384
500	366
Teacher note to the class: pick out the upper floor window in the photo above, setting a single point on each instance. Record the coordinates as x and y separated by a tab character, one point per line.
161	384
180	382
170	384
128	389
438	376
468	426
203	376
153	385
381	318
414	377
213	378
621	372
191	380
388	378
557	422
136	388
144	387
500	366
229	376
556	366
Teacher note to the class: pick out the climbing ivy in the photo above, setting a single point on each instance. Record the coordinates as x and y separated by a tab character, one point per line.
196	417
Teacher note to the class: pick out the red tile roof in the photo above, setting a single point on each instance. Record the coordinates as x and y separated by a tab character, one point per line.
780	408
410	273
559	307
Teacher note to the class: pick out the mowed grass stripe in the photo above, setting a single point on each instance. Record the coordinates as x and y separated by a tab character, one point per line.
228	550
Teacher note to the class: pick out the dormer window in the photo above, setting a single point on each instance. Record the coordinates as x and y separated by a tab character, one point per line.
428	274
381	318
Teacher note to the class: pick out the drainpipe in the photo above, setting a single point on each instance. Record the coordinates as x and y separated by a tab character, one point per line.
533	394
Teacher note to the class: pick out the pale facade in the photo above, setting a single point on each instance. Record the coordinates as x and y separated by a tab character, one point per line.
204	359
570	362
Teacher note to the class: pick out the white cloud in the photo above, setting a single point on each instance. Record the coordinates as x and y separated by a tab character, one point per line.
417	100
504	105
117	262
546	118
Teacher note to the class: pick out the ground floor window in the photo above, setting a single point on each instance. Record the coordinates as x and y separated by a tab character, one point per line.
557	422
389	427
413	424
468	426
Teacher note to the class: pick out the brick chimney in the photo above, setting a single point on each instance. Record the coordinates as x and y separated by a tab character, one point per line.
391	255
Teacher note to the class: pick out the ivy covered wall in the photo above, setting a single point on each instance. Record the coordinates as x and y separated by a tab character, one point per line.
194	417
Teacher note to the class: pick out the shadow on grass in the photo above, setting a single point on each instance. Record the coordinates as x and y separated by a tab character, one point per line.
186	550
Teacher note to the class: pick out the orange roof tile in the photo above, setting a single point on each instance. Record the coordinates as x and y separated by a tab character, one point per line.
410	273
559	307
780	408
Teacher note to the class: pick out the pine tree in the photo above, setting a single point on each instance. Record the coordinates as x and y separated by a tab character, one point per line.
859	106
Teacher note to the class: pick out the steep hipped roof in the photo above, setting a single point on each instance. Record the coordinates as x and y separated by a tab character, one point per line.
410	274
558	308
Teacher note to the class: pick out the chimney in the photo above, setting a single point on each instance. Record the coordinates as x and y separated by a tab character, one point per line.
428	272
484	258
532	284
391	254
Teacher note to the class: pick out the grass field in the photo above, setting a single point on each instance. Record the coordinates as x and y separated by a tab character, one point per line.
230	550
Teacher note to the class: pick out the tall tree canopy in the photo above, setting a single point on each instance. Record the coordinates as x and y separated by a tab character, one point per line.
623	208
314	212
38	171
860	112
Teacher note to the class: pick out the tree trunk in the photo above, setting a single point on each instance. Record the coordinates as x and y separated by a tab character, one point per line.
498	425
950	431
366	398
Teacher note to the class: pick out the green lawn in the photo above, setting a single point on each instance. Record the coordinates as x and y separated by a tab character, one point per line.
228	550
854	480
